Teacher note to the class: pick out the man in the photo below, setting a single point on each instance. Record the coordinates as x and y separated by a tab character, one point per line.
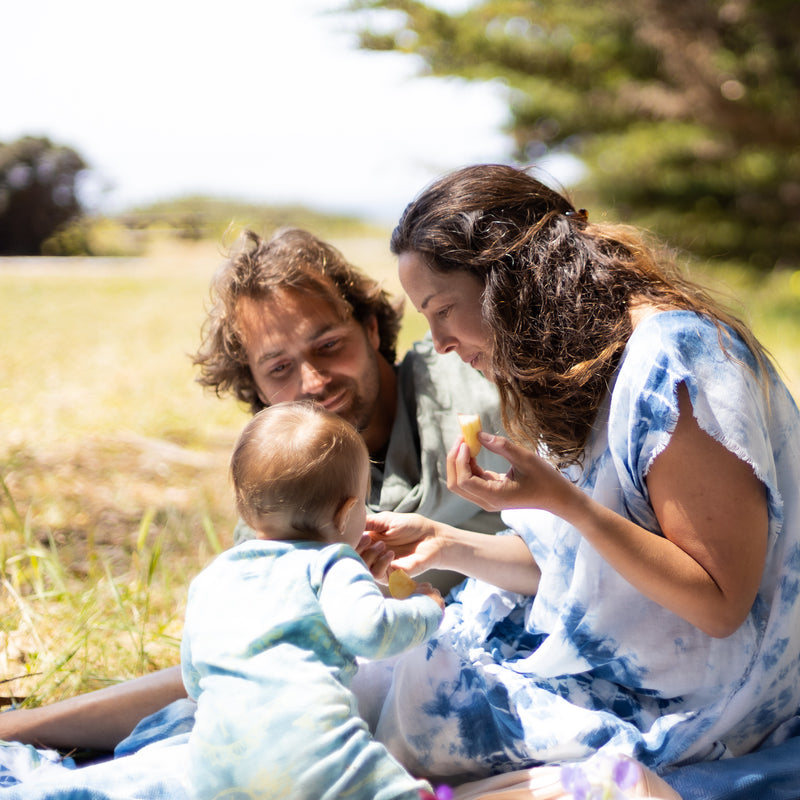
291	319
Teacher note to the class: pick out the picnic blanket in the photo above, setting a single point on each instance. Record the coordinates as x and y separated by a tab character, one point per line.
150	765
158	773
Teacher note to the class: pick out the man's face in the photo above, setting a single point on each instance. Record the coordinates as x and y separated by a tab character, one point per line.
299	349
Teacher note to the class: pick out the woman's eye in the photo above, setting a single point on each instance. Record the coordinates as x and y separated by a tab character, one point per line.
444	312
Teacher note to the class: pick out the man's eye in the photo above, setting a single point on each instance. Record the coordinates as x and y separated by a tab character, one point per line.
278	370
330	345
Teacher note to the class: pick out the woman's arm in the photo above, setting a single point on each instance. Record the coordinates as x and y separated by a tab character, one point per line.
97	720
418	544
711	507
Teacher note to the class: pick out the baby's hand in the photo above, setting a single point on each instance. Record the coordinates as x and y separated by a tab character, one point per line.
376	555
429	590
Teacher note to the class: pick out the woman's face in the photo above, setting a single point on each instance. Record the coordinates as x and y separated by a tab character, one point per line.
451	302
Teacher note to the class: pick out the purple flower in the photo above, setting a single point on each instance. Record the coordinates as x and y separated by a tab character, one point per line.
601	777
625	773
574	780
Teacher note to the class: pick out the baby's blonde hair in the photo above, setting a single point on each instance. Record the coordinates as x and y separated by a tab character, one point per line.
295	463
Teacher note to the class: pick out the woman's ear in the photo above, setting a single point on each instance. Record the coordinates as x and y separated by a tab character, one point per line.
342	513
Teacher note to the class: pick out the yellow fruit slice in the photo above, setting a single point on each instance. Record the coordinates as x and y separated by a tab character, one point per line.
470	428
401	584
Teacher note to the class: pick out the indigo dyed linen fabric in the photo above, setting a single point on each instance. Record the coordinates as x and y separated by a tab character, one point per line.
590	663
270	639
156	772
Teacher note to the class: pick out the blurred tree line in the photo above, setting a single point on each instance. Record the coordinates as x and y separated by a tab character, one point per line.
41	211
686	113
38	192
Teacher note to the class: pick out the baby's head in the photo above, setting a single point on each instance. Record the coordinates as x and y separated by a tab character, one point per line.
301	472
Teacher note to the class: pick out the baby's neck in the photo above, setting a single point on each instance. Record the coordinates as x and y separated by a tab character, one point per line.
281	533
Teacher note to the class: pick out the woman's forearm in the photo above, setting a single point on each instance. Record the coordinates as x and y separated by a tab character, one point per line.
504	561
97	720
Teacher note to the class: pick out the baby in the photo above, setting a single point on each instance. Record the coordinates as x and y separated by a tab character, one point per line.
274	625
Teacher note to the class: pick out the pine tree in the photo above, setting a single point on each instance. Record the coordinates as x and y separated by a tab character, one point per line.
685	112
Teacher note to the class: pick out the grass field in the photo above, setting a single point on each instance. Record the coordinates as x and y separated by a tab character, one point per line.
113	461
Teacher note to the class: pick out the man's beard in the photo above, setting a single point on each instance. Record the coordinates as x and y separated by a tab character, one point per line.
359	401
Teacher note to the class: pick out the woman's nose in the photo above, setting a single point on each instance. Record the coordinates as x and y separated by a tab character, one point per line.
443	343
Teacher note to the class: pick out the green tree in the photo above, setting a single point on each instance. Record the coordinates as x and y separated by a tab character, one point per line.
37	193
685	112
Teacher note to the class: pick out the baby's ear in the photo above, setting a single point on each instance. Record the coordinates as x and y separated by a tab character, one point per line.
343	512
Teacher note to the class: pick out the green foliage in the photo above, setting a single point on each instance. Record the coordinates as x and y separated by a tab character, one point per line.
94	236
684	111
72	239
38	181
40	212
193	219
65	630
198	217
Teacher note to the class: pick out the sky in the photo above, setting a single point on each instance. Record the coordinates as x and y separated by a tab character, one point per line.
260	100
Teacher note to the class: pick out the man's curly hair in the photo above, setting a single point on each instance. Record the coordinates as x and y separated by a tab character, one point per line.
293	260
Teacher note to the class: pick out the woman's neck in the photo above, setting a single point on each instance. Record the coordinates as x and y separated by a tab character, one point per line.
640	309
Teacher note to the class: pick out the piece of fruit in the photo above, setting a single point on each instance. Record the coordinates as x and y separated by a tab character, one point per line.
470	428
401	584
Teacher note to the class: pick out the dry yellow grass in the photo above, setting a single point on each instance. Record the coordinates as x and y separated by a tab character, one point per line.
113	461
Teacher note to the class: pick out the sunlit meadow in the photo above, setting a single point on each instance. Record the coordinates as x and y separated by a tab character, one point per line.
113	461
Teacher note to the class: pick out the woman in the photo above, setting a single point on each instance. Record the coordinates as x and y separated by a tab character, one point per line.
648	598
652	500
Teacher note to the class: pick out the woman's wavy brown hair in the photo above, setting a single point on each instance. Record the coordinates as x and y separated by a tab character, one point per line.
293	260
557	294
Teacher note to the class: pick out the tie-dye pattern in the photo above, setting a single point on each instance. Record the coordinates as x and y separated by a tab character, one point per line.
589	662
271	635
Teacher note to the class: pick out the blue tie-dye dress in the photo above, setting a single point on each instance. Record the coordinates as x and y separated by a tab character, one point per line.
589	662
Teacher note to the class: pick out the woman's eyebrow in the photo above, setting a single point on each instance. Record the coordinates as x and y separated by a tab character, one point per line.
427	300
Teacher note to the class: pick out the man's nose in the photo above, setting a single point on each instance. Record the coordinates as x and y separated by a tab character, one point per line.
312	381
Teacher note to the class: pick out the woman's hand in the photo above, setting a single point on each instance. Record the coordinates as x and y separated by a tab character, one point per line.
531	482
411	538
420	544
